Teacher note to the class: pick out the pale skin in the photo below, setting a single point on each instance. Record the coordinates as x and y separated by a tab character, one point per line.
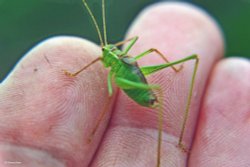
46	116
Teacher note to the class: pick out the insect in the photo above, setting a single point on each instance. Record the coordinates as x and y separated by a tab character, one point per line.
128	76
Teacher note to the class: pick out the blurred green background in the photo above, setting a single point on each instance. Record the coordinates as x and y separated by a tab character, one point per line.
24	23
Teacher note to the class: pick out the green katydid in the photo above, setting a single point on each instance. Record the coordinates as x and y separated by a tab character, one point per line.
134	83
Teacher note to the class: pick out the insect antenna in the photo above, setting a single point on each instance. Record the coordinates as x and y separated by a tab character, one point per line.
104	22
94	21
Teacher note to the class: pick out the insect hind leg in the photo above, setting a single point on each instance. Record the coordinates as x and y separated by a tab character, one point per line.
126	84
147	70
159	106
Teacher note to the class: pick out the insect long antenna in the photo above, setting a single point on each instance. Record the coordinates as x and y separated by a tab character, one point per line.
94	21
104	22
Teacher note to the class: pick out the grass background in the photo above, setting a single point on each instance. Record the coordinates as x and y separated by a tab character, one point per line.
27	22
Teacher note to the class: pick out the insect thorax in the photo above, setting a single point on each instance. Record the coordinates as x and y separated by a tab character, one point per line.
110	55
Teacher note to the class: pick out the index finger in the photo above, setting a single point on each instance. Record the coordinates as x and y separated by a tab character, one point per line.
177	30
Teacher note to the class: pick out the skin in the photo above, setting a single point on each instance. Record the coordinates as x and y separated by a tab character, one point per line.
46	117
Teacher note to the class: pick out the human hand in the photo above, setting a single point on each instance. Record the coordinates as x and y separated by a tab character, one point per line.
46	117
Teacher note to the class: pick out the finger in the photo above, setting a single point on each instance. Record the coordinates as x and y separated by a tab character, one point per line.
222	137
177	30
49	115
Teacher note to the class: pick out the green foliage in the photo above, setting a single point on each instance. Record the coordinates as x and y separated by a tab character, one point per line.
25	23
233	17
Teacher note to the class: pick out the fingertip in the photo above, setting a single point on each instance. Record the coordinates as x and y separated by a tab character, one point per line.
223	122
42	68
55	52
178	29
229	81
63	109
234	66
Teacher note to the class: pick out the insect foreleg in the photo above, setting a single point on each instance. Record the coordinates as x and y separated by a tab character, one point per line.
84	68
147	70
126	40
159	54
133	40
160	126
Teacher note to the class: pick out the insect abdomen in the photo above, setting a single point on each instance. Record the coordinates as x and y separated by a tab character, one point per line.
143	97
131	72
